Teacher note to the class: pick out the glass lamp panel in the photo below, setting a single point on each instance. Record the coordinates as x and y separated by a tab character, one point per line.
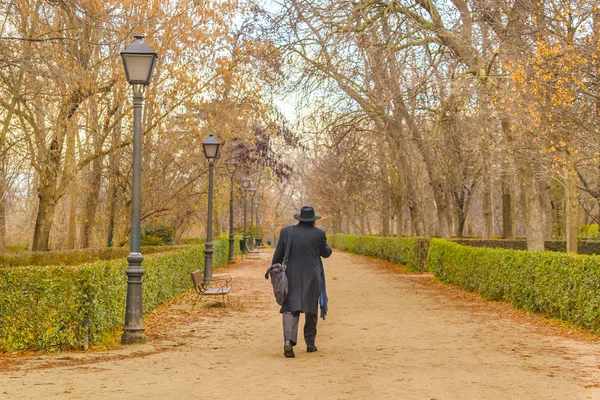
138	68
211	147
211	150
231	166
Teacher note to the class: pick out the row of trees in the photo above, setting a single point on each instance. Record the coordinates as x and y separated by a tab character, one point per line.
442	115
66	115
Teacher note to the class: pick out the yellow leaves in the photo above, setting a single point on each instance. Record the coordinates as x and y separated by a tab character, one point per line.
519	76
544	49
546	87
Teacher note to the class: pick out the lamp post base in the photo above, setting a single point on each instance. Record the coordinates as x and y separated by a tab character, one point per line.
245	245
133	337
231	259
133	331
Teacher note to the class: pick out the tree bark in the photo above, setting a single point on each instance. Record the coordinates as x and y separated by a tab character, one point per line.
46	188
572	209
43	222
92	192
70	166
531	205
488	227
362	222
546	204
72	214
399	217
113	175
91	203
385	212
508	231
3	190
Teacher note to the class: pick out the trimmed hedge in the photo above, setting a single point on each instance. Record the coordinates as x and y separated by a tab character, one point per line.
555	284
75	257
583	246
44	307
409	251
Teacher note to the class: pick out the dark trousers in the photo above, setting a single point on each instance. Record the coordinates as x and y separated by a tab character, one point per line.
290	327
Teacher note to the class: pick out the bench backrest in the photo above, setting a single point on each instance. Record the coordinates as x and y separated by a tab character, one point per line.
197	278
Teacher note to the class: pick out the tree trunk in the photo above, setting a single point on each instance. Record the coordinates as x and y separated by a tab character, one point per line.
508	231
532	208
337	223
91	203
43	223
410	192
70	162
451	214
50	157
508	225
385	213
72	213
571	211
461	214
94	176
488	227
3	190
546	204
400	217
362	222
113	176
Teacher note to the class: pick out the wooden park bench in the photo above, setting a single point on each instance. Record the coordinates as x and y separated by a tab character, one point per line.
217	285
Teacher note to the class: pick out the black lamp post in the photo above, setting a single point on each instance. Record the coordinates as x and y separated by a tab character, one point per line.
139	62
231	168
245	185
211	151
252	191
257	239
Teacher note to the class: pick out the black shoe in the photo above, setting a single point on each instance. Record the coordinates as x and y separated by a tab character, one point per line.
288	349
311	348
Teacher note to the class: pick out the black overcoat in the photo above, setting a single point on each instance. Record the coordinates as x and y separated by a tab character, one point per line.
303	268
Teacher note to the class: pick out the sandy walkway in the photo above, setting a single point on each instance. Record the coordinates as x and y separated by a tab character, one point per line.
388	336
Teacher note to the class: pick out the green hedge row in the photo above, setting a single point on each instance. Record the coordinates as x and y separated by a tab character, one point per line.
409	251
74	257
583	246
44	307
558	285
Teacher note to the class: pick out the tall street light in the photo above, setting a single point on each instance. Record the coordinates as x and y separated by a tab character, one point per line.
258	237
252	191
211	151
231	168
139	62
245	185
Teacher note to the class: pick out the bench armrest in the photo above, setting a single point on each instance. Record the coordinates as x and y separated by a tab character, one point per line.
220	280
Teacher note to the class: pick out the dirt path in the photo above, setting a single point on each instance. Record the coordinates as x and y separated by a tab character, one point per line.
388	336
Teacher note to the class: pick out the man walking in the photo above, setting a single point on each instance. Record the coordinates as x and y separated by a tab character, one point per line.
304	272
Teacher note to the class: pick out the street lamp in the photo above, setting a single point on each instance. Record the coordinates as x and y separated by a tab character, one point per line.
211	151
231	168
139	62
252	191
245	185
258	238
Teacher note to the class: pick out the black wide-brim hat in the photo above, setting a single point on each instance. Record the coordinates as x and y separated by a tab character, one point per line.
307	214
